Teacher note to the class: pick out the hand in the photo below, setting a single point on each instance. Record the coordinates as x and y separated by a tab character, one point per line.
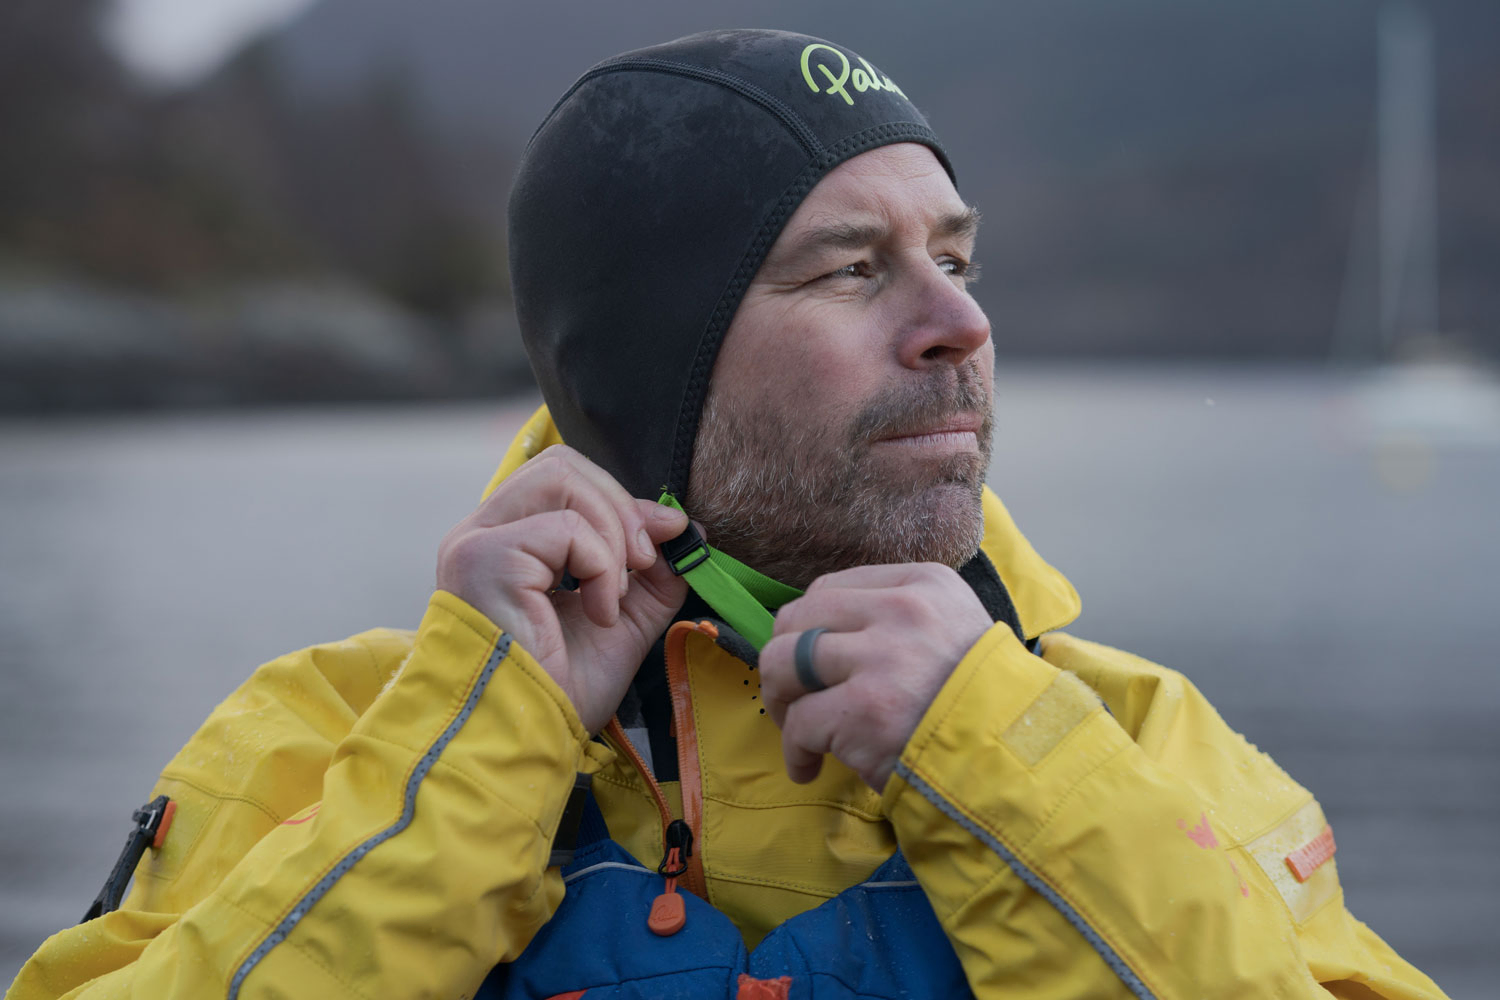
895	634
561	512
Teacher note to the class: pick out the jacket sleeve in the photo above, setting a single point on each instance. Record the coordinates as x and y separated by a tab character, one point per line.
347	829
1123	841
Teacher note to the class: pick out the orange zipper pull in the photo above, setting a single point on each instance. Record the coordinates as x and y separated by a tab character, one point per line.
668	914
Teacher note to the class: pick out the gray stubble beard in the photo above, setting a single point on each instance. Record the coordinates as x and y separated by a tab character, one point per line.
774	494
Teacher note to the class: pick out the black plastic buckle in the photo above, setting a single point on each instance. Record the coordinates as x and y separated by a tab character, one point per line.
148	819
684	545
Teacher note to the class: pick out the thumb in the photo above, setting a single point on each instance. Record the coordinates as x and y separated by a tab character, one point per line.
652	599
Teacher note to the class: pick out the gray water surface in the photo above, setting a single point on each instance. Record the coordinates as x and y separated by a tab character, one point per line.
1328	581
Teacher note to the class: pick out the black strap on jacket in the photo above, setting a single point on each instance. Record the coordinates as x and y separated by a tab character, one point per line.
567	841
151	822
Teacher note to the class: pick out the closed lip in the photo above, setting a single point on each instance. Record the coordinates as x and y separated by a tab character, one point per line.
958	424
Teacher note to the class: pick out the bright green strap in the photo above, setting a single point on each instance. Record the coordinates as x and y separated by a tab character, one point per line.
738	593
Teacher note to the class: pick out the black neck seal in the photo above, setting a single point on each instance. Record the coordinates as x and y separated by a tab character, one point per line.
646	202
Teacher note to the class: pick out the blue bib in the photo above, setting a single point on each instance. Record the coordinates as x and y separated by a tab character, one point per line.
877	939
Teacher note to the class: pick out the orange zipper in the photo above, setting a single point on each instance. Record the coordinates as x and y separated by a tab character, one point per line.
688	772
617	733
689	775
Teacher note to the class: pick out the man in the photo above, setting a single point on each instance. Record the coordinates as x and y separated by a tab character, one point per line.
740	263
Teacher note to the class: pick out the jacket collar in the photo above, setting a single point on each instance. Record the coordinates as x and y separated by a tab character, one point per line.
1044	598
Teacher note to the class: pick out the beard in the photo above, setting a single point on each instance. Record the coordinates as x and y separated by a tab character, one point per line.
796	502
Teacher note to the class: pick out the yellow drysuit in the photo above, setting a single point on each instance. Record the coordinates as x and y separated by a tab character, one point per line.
372	819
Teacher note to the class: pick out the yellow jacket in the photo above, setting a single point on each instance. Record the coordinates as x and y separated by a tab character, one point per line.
372	818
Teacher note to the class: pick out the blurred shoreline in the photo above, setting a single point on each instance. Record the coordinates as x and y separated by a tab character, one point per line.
71	345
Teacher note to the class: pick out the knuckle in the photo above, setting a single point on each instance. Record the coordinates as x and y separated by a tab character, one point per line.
787	618
569	475
450	540
461	553
873	707
906	603
934	577
557	452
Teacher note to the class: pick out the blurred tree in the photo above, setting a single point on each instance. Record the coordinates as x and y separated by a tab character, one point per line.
63	104
230	180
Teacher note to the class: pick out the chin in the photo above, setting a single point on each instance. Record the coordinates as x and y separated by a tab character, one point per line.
943	523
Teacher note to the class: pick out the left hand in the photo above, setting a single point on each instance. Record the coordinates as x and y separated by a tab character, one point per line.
895	633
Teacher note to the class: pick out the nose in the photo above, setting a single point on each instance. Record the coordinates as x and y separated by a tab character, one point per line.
944	326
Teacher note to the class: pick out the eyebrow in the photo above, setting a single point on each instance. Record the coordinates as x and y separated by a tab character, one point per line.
854	236
962	224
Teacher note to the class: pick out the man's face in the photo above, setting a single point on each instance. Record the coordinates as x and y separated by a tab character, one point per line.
848	419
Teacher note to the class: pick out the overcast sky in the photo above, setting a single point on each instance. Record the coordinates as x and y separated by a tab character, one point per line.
176	41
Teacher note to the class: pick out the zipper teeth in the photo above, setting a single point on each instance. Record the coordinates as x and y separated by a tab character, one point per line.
689	773
617	733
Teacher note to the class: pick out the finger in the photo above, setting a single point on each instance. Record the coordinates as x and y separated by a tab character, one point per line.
635	519
831	608
561	478
662	524
558	541
807	735
652	599
780	685
600	593
850	600
878	576
563	541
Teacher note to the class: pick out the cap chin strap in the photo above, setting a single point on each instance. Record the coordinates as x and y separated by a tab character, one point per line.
740	595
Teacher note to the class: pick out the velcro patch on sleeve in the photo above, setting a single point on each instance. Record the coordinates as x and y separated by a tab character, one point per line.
1052	715
1306	859
1306	890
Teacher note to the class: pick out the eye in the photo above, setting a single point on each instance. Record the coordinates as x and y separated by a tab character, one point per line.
957	267
860	269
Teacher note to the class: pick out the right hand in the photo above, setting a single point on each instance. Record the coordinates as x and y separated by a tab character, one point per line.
561	512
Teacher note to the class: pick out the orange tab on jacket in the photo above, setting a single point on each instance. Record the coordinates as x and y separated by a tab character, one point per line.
1306	859
750	988
167	813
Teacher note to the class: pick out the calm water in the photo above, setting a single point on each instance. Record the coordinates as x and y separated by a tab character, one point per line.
1324	570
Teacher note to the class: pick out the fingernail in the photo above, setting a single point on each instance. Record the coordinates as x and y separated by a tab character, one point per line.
624	581
643	542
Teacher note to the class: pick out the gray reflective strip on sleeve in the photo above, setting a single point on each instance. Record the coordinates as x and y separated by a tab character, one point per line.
317	892
1111	957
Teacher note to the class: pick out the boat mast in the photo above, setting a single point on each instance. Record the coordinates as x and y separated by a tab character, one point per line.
1407	176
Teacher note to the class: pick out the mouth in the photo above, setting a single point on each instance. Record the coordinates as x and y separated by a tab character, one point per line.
959	432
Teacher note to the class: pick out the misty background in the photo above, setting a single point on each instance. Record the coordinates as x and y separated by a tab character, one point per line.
257	354
321	215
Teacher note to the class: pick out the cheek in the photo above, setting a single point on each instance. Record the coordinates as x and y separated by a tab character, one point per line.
793	356
832	349
823	382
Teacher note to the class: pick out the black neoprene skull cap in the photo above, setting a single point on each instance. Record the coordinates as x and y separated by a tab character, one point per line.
645	203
